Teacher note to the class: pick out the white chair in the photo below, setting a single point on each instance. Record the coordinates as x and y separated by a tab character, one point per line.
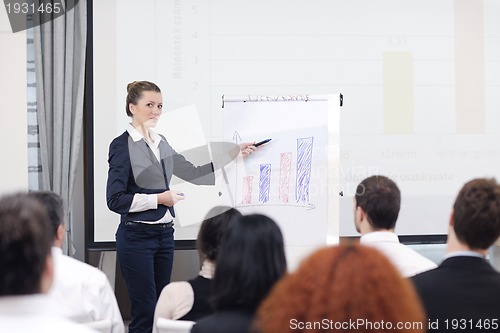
102	326
173	326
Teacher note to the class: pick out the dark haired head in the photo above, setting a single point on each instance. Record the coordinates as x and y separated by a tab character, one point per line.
380	199
54	205
134	92
251	260
25	243
212	229
476	217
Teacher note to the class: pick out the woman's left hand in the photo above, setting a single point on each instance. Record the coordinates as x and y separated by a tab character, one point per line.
170	198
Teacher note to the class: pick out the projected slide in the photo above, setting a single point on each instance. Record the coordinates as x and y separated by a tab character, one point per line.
420	80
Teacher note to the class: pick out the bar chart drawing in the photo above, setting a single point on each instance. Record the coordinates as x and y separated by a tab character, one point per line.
264	182
293	178
304	161
285	169
278	184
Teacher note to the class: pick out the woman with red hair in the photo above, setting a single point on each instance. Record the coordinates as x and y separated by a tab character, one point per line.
343	289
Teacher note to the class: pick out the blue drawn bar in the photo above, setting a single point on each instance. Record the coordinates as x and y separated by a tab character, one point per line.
264	182
304	160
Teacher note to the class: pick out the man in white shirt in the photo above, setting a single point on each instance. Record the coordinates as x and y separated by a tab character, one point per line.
376	209
82	291
26	270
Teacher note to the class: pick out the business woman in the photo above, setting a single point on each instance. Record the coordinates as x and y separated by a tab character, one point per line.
141	164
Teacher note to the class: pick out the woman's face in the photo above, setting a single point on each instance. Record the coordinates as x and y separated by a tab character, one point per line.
148	109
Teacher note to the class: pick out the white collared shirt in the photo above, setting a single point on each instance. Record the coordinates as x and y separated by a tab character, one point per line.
137	136
35	313
83	292
143	201
408	261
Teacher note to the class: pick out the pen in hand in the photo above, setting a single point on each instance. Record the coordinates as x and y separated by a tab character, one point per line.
261	142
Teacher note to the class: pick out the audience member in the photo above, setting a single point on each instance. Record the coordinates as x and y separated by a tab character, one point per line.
82	291
342	289
189	300
462	294
26	270
251	260
376	209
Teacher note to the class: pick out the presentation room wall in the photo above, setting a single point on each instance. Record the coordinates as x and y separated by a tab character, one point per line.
13	127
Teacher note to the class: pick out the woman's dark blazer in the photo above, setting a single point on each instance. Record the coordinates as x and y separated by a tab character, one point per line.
133	168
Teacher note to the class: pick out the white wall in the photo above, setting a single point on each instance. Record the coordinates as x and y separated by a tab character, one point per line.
13	130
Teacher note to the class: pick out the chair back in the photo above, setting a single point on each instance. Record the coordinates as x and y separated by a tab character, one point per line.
173	326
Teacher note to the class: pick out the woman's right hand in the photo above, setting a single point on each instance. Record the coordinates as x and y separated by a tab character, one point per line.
247	148
169	198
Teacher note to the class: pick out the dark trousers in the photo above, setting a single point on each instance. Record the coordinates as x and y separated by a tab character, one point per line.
146	254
